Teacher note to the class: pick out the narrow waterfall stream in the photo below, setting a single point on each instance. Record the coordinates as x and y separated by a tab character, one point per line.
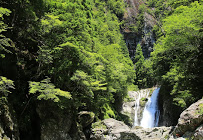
140	94
150	115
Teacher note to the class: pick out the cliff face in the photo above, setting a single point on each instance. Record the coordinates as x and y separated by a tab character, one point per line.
145	35
8	122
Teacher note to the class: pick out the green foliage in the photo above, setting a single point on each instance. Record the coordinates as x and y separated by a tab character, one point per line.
133	87
99	125
47	91
143	69
139	60
177	56
5	84
107	111
200	111
78	45
140	19
5	42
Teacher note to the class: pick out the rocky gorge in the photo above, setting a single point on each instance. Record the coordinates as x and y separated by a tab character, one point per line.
57	127
88	69
189	126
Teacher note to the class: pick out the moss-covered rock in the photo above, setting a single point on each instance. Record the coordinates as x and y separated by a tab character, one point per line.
86	118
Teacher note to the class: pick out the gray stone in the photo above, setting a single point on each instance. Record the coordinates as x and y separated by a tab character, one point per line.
55	123
117	130
190	119
198	135
8	122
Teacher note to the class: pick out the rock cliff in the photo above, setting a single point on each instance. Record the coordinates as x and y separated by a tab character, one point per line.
8	122
145	35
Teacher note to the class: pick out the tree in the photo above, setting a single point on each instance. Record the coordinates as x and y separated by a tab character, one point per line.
5	42
139	61
177	56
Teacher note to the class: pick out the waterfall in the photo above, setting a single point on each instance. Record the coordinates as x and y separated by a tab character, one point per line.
150	115
139	95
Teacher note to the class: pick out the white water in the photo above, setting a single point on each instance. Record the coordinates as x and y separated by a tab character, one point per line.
139	95
151	113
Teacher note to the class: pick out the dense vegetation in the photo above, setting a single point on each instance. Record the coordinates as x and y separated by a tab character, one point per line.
67	51
176	62
71	52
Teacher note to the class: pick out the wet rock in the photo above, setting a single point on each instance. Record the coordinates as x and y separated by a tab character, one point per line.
128	107
132	37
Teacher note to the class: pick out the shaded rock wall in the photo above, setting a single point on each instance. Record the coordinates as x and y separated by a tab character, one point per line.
8	122
146	38
169	113
57	123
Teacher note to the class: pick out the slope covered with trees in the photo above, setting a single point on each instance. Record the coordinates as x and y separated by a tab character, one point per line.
71	55
70	52
176	62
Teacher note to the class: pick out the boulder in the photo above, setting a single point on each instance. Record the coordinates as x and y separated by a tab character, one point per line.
111	129
55	122
190	122
198	135
85	118
156	133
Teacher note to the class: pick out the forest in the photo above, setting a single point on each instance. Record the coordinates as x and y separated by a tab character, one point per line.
71	56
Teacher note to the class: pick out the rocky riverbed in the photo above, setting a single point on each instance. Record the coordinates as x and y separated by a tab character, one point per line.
190	126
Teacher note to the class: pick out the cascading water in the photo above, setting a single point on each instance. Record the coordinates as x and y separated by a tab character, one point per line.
151	113
140	94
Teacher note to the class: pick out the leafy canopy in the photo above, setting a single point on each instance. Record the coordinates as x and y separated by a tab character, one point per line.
47	91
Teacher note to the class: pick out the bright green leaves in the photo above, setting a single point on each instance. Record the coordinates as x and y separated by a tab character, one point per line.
79	45
5	84
139	60
50	22
3	11
47	91
85	81
116	6
185	20
107	111
177	56
119	68
5	43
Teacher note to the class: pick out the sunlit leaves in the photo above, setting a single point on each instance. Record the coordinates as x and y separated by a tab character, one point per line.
176	58
5	43
5	85
47	91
